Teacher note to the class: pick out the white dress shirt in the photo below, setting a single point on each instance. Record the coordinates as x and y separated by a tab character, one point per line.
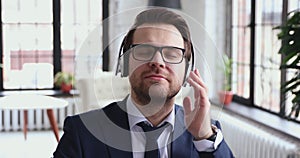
138	137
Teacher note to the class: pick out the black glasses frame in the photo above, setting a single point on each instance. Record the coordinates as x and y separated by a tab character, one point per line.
160	51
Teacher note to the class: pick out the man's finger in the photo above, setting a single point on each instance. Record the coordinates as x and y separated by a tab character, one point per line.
187	105
196	78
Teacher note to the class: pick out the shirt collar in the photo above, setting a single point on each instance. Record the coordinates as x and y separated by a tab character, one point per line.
135	116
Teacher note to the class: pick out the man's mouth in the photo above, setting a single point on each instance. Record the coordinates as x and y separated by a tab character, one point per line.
156	77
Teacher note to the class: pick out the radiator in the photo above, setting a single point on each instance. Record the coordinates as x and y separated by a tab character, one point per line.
12	120
250	140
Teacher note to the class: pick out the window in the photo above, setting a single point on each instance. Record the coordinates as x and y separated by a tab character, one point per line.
78	19
27	34
256	75
40	38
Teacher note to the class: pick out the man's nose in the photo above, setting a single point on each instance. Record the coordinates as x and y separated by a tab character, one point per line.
157	60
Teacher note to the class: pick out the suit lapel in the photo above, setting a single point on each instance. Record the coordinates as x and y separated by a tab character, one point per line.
119	131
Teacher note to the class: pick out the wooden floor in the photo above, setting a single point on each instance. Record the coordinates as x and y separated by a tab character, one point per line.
39	144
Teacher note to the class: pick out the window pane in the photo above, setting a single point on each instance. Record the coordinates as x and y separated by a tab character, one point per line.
79	19
241	48
268	12
241	12
293	5
267	59
29	11
27	39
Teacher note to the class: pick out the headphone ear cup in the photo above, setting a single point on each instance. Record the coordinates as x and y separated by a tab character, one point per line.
187	70
189	67
125	65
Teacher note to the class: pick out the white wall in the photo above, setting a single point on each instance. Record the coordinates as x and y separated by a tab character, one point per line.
215	24
122	14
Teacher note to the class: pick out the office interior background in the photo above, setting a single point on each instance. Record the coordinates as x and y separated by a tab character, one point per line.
41	38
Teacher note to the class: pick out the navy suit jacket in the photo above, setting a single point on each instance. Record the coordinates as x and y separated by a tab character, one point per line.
104	133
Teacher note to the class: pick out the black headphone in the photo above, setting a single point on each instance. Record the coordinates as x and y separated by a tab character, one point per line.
123	68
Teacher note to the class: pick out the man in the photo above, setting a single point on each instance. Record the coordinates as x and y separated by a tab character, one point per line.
155	56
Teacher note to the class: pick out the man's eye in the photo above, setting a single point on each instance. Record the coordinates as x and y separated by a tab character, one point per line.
171	53
143	52
170	56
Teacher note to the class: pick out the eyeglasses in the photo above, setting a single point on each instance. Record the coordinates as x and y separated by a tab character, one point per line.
146	52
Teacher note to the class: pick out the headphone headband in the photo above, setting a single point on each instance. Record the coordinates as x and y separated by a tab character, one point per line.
118	69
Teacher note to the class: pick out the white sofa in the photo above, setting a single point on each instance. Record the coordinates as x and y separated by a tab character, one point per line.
99	91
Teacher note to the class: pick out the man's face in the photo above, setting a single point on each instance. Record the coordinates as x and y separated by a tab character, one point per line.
155	79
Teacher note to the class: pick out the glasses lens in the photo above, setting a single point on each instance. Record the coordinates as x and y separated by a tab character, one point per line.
143	52
146	52
172	55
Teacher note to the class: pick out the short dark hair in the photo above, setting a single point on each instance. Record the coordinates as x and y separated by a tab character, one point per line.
161	16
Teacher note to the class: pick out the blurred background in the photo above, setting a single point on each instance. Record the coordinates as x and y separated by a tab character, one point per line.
247	48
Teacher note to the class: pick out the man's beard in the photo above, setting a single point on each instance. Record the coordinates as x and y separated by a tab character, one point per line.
155	94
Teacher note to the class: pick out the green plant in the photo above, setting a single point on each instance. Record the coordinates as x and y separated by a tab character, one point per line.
226	95
290	50
227	72
63	78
